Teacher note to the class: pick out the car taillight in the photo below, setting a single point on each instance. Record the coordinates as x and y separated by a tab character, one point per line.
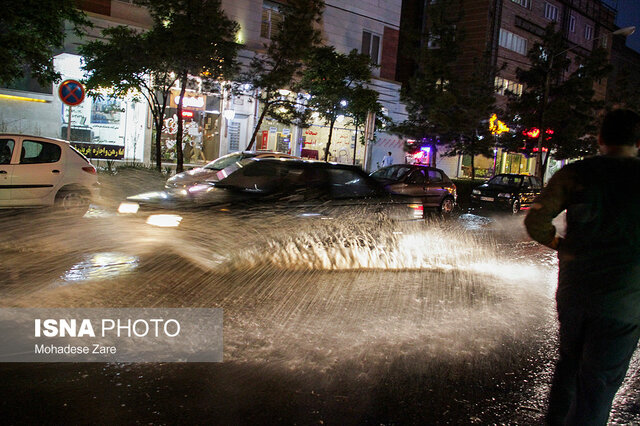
90	169
418	209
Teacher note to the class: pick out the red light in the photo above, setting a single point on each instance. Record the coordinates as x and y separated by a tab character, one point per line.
549	131
187	114
532	133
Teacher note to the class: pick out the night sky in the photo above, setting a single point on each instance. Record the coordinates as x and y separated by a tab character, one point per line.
628	14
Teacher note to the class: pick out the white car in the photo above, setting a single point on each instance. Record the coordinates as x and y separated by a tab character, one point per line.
37	171
209	173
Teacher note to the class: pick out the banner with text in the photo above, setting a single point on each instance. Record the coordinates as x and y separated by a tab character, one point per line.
110	335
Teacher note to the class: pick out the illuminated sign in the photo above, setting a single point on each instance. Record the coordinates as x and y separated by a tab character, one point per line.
496	126
23	98
190	102
534	132
100	151
187	114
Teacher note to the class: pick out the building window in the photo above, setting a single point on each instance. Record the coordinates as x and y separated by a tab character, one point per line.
523	3
503	85
550	12
572	23
512	41
603	41
588	32
271	17
371	46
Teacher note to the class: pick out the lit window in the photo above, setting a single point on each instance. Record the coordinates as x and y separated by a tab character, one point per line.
371	46
523	3
550	12
503	86
572	23
588	32
512	41
271	17
603	41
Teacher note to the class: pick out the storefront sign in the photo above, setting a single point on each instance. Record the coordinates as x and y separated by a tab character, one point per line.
100	151
286	131
273	130
265	139
189	102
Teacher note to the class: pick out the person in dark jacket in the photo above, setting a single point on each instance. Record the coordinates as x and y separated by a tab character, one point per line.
598	295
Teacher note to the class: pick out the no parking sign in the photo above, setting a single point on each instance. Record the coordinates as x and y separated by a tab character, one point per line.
71	93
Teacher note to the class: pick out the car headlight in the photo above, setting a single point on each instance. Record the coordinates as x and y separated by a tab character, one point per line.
476	192
504	195
128	208
164	220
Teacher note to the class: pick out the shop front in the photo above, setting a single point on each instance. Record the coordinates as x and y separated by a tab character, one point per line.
314	139
201	128
102	127
275	136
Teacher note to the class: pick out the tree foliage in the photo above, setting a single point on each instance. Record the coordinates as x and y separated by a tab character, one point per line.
188	38
333	80
275	70
559	99
429	95
198	40
444	105
30	32
147	73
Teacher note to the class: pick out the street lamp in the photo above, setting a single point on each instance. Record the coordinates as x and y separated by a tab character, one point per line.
626	31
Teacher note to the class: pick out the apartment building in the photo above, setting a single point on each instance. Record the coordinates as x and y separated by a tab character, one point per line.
215	124
507	29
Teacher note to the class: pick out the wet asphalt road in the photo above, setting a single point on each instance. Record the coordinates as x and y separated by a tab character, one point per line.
324	323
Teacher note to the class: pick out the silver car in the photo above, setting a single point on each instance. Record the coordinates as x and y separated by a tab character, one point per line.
210	172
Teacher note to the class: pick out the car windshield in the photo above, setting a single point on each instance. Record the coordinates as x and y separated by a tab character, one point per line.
227	160
393	173
506	180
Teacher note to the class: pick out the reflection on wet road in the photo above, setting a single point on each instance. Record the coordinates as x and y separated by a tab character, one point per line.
350	321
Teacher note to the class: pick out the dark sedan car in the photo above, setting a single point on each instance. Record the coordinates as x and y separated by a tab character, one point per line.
511	192
433	185
285	186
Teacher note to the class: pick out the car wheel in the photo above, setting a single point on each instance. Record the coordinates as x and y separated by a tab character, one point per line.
447	206
515	207
72	201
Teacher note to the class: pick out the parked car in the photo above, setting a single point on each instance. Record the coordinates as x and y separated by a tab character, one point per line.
37	171
511	192
433	185
299	188
209	173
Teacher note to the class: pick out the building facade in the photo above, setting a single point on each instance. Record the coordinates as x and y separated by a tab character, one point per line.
214	124
506	30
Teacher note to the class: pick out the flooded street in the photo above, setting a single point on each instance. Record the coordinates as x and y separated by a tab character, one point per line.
325	321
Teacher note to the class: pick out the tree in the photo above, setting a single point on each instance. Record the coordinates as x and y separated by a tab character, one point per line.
444	105
429	94
30	31
331	79
474	105
147	73
361	103
276	70
626	89
198	40
562	109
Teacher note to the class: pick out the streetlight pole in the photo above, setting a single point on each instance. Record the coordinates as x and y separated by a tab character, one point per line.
626	31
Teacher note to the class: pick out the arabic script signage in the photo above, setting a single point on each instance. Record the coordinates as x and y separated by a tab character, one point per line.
100	151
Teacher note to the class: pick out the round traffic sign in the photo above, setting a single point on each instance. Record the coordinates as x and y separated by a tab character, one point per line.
71	92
